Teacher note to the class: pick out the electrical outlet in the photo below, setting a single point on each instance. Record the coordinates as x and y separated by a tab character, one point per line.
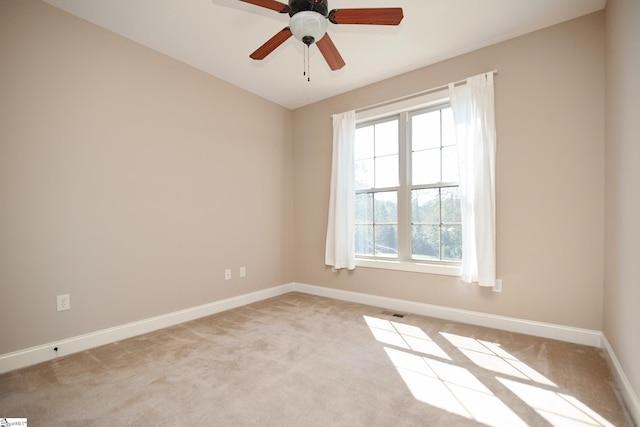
243	271
227	274
64	302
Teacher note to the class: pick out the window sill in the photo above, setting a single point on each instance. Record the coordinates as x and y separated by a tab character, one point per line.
416	267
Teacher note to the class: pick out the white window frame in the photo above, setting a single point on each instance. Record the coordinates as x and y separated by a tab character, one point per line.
403	108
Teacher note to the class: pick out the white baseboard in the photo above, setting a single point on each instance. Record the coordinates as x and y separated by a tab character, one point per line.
628	394
42	353
539	329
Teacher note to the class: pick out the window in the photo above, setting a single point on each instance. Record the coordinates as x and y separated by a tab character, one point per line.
407	193
415	210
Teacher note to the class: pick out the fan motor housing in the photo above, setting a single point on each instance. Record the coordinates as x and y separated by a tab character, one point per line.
320	6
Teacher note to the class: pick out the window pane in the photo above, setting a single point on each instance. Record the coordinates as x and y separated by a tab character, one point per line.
364	208
425	206
448	128
386	218
364	240
387	171
425	168
425	241
425	130
387	240
452	242
386	207
386	138
363	145
364	174
450	164
450	200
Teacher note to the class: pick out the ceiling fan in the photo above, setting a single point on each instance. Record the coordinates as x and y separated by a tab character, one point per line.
308	23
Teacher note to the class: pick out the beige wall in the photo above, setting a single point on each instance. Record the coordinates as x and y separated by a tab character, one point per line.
622	267
550	179
128	180
131	181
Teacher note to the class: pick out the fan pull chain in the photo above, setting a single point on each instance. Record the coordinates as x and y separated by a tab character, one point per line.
308	66
306	63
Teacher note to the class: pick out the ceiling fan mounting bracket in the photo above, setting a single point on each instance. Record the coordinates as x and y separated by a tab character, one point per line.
319	6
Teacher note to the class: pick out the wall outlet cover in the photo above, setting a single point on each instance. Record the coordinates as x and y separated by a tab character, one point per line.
63	302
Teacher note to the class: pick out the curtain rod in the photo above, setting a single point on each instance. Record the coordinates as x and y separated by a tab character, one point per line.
416	94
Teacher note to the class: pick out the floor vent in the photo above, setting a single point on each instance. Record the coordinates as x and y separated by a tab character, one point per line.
392	314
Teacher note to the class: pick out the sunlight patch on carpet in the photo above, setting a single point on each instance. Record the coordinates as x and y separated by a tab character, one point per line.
404	336
557	408
451	388
433	377
492	357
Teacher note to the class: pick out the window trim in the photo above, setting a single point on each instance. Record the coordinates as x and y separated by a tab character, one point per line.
429	267
402	108
422	101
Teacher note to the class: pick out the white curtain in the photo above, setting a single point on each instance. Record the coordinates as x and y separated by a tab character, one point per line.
340	245
474	118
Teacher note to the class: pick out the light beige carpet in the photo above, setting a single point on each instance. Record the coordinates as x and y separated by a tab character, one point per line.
301	360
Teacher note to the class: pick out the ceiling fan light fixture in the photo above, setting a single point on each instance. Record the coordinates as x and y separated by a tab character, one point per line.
308	26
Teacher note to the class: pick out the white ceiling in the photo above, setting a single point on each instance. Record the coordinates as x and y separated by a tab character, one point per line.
217	36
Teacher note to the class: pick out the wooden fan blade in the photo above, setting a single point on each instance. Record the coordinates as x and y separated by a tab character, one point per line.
330	53
372	16
271	44
270	4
